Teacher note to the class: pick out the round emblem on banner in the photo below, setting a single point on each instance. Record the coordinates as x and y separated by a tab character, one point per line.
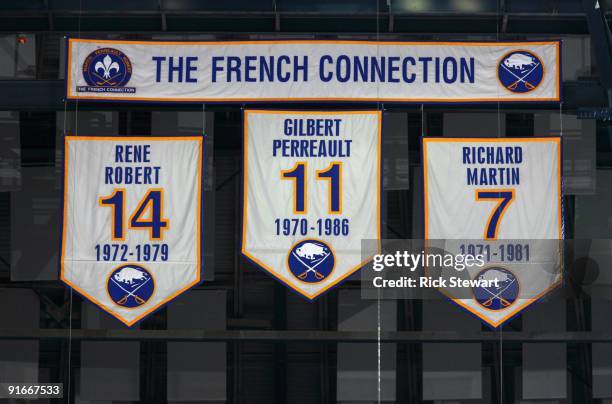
107	67
311	261
497	297
130	285
520	71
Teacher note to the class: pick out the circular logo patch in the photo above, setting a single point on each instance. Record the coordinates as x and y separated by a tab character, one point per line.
311	261
130	285
107	67
520	71
497	297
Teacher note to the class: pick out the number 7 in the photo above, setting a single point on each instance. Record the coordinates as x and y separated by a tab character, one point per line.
504	198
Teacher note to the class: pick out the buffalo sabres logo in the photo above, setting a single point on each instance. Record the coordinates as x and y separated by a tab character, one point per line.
497	297
130	286
107	70
311	261
520	71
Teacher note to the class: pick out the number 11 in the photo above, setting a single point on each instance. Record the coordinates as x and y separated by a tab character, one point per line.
332	173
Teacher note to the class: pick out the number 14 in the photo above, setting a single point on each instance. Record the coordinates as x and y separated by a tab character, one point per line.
151	205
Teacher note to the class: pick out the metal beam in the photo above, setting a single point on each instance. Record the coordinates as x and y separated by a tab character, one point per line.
48	95
302	336
139	21
602	39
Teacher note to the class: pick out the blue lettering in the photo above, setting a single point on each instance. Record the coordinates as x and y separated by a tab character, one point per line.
108	175
425	61
467	71
325	77
158	64
343	68
233	65
518	155
266	67
215	67
452	77
378	70
249	67
408	78
361	70
172	68
466	155
297	68
283	78
276	143
472	176
191	68
393	60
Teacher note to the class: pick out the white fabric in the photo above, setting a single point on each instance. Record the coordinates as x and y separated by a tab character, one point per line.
331	72
267	197
87	224
533	217
452	210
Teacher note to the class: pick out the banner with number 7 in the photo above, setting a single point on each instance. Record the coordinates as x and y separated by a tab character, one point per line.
499	195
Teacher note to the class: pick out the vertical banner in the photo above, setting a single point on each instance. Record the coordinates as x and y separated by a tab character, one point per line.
311	194
499	198
132	221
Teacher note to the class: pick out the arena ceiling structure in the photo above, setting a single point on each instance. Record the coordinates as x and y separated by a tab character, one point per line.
254	340
379	20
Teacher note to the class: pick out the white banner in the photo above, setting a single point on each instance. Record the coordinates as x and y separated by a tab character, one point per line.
311	194
507	193
132	221
312	70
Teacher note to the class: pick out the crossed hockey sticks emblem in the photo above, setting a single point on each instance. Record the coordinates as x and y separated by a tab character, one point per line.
504	302
520	79
317	274
106	81
133	294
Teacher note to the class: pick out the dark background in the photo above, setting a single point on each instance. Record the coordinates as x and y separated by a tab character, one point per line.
241	337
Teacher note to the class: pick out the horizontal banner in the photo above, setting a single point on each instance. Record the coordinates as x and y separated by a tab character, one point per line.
313	71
